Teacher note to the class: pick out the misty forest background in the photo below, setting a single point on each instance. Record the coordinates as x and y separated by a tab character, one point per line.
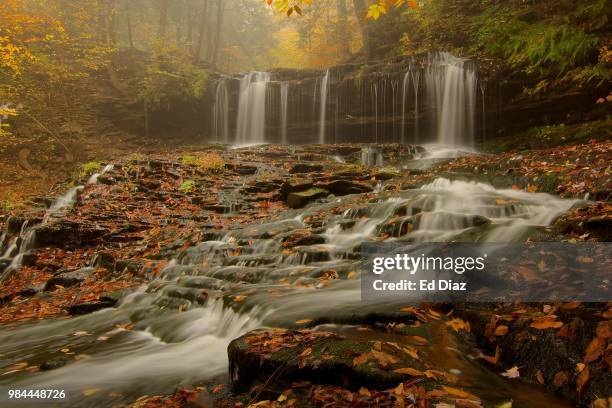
82	80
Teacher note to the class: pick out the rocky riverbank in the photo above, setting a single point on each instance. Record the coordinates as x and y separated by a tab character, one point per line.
278	228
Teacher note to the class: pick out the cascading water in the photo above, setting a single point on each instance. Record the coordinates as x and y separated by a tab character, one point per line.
26	240
451	90
181	337
284	98
405	84
251	122
323	106
221	112
416	80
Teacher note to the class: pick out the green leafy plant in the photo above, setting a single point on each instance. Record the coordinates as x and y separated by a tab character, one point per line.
187	186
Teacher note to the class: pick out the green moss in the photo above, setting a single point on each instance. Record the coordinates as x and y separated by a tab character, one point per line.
86	169
187	186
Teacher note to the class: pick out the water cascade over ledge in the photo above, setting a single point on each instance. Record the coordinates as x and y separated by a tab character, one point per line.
427	99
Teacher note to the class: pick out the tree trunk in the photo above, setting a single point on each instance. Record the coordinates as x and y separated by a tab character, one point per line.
217	43
111	43
129	24
342	29
361	11
189	29
163	20
209	31
203	16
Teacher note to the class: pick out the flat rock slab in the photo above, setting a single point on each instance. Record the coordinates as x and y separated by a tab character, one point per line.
318	357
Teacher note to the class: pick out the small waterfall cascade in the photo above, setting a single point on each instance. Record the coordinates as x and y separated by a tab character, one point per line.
21	245
181	331
405	85
451	90
323	106
220	119
416	80
284	100
483	88
251	120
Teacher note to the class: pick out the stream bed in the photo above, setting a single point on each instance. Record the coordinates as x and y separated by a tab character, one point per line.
298	269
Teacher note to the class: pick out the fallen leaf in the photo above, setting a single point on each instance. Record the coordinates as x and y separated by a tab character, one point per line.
399	390
583	378
409	371
512	373
501	330
458	324
560	378
540	377
306	352
495	358
303	321
546	322
594	350
460	393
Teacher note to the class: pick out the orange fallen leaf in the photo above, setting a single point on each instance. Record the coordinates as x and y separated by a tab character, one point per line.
583	378
501	330
595	349
492	359
409	371
546	322
457	324
460	393
560	378
303	321
540	377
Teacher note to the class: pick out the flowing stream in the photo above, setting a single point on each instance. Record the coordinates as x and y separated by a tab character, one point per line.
182	322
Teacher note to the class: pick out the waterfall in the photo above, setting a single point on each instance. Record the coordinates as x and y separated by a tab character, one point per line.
451	90
284	97
323	106
404	96
252	108
374	93
416	79
483	88
221	112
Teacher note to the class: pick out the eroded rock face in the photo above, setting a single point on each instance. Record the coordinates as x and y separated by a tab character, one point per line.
66	233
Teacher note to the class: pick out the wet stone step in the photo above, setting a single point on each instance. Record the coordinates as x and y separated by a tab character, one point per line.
251	260
204	282
68	279
241	274
318	357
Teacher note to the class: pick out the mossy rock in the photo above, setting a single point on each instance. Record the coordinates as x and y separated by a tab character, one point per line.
326	360
300	199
